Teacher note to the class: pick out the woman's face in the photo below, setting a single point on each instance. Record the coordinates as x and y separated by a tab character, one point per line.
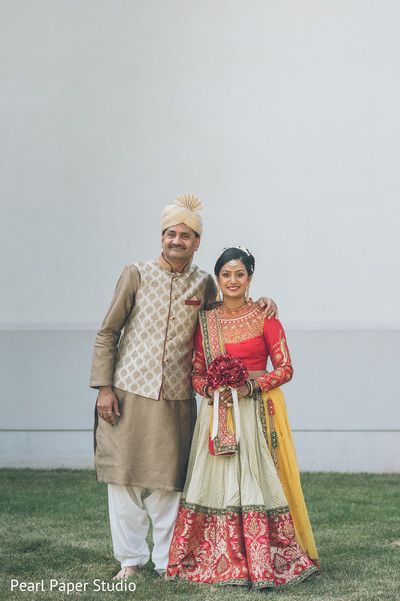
233	279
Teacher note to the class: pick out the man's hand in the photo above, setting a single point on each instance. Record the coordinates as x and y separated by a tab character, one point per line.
269	306
107	404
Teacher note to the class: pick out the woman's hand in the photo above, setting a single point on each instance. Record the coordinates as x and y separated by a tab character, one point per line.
225	396
243	391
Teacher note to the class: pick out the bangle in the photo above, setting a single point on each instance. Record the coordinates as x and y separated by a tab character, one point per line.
250	387
204	390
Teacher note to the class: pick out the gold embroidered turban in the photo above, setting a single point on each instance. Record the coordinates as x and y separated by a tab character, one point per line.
184	210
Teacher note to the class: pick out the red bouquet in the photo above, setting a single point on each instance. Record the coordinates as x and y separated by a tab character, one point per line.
226	371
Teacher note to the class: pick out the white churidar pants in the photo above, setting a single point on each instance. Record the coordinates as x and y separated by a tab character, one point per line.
130	508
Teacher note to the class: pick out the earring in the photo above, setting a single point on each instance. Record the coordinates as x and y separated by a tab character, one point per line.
219	295
247	292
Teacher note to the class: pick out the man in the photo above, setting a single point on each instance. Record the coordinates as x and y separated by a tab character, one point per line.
145	403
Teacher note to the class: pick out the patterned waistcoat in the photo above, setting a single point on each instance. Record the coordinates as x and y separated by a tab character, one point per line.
155	352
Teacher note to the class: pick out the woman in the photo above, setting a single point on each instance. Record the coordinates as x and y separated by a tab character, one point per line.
242	517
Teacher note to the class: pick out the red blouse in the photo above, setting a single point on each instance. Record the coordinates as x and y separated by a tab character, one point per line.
252	339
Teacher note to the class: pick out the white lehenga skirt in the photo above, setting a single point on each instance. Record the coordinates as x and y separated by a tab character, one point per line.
234	525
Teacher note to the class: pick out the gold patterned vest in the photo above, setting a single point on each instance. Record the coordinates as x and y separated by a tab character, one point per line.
155	352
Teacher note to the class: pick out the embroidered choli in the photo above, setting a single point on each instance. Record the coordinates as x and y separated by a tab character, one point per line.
251	338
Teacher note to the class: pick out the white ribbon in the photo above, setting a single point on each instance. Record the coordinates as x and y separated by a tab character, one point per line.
214	431
236	414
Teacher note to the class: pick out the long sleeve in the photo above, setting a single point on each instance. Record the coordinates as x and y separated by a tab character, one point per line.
107	338
199	366
278	352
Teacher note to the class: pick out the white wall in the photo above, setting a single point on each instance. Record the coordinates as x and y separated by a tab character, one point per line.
282	116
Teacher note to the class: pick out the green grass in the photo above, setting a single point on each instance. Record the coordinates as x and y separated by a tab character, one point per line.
54	524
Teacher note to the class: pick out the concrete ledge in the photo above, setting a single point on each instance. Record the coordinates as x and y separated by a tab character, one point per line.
342	402
46	449
316	451
348	451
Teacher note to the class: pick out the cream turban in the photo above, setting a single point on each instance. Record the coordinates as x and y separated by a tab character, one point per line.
183	210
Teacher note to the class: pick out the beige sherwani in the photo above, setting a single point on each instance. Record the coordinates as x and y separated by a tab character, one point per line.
149	368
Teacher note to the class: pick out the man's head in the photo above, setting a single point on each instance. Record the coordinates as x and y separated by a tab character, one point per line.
181	228
179	243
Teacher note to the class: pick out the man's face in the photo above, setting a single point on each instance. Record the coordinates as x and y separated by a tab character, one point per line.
179	243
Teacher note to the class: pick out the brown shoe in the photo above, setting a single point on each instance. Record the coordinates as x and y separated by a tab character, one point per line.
127	572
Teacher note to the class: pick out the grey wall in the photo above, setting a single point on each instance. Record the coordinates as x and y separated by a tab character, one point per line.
282	116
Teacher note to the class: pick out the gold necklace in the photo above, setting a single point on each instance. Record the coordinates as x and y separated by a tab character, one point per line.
232	311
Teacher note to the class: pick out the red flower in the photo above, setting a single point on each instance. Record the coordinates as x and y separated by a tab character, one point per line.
226	371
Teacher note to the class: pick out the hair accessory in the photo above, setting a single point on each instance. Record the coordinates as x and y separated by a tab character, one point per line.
233	263
243	248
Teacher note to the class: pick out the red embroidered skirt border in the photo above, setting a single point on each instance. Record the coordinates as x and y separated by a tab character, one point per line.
244	546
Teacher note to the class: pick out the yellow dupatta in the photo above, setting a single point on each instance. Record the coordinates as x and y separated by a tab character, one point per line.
281	446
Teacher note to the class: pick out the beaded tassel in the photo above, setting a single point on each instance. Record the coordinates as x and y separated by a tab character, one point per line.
273	442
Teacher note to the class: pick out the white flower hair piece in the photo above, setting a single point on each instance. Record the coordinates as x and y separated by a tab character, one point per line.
243	248
189	201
